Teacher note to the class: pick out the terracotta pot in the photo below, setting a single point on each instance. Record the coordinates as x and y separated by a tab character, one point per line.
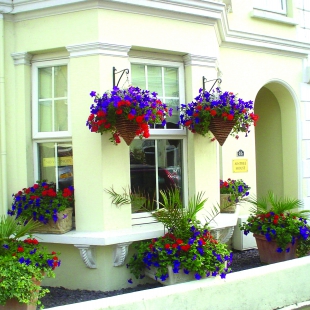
268	250
14	304
63	224
225	205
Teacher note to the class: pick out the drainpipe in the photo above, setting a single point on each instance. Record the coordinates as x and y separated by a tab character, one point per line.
4	200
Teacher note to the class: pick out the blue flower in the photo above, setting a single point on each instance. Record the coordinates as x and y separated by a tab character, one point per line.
197	276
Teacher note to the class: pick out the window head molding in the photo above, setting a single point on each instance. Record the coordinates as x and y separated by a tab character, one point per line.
22	58
98	48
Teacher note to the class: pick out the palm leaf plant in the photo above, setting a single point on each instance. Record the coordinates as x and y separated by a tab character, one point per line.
279	219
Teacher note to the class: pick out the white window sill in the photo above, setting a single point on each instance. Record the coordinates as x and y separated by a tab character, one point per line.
261	14
87	241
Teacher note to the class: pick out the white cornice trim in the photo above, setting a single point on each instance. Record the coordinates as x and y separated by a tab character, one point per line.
201	61
98	48
197	11
22	58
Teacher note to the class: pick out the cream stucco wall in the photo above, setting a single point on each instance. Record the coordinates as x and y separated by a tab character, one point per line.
97	163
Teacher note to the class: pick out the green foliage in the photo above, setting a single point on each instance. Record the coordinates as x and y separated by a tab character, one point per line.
23	263
11	228
138	200
279	219
188	245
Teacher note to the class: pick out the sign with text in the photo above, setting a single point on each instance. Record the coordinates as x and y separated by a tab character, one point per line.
62	161
240	165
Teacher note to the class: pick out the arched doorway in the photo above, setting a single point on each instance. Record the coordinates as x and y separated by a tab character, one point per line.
276	141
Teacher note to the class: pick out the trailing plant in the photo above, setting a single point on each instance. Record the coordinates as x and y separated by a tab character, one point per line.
188	246
279	219
133	104
197	115
23	263
237	189
41	202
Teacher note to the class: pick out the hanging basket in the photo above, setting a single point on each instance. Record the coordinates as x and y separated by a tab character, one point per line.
126	129
221	128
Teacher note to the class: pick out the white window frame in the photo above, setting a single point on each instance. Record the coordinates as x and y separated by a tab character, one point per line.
263	5
35	109
158	134
47	137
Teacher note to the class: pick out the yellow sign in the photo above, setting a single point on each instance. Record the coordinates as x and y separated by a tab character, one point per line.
62	161
240	165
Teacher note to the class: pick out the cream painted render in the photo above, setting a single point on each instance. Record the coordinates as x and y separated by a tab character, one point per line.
260	60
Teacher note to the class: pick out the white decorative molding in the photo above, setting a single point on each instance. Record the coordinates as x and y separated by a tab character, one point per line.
223	234
22	58
120	253
198	60
87	255
257	13
98	48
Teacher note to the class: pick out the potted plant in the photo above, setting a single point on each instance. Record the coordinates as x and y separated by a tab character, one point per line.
23	265
278	227
43	203
126	113
232	192
187	250
220	112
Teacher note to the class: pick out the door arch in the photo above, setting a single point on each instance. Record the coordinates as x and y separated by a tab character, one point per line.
276	141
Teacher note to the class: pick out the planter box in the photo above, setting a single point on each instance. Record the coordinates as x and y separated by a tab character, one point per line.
225	204
63	224
174	278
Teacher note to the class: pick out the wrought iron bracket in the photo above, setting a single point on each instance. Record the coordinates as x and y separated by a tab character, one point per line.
204	81
120	253
87	255
114	72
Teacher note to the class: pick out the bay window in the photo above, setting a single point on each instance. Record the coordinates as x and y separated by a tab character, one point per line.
157	163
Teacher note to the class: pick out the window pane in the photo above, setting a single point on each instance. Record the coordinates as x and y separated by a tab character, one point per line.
45	83
45	116
154	76
148	175
56	163
172	121
138	76
60	81
171	82
61	115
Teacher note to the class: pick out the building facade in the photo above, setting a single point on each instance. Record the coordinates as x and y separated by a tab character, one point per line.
54	53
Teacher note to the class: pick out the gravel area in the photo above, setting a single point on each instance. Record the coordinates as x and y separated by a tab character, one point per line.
59	296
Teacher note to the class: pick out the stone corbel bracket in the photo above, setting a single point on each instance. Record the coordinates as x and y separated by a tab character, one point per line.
223	234
87	255
120	253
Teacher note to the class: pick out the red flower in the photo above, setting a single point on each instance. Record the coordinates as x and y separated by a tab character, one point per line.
119	111
179	241
174	245
91	117
199	107
187	123
20	249
130	117
167	246
139	119
230	117
101	113
224	114
35	186
185	247
213	112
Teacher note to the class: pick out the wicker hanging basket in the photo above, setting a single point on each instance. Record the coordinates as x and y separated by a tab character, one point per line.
127	129
221	128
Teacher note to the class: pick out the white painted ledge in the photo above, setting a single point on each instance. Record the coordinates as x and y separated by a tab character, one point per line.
258	13
86	241
268	287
